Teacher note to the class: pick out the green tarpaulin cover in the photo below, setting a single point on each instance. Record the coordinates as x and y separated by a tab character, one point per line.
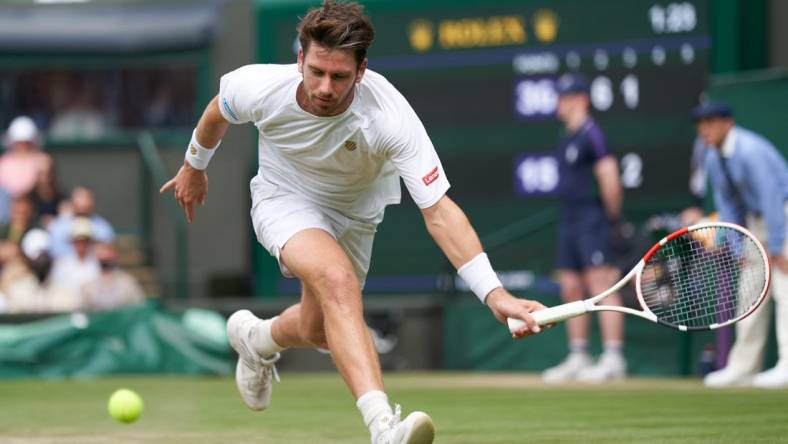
139	339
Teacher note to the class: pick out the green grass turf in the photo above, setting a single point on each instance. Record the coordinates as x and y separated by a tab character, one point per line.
467	408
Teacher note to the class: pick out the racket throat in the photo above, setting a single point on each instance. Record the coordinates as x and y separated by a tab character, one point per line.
562	312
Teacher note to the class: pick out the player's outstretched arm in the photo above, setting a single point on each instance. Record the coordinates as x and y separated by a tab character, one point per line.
453	233
190	184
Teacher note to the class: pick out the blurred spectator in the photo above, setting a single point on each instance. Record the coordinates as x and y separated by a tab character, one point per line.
20	165
83	205
8	252
5	205
161	110
80	119
48	197
114	287
25	282
74	269
22	219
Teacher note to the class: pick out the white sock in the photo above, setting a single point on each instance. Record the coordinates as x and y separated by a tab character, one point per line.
373	405
580	347
264	343
612	348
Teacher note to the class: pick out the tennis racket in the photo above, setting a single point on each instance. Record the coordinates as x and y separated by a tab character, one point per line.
702	277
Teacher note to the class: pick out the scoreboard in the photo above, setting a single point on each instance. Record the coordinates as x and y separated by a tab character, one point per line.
480	76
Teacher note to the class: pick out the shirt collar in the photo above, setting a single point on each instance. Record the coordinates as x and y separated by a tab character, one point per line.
729	144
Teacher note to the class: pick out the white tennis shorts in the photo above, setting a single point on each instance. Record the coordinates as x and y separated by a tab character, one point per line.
278	217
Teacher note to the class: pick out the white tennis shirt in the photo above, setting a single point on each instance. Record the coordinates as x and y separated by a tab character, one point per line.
349	162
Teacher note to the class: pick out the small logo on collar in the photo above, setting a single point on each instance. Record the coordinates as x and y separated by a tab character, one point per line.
350	145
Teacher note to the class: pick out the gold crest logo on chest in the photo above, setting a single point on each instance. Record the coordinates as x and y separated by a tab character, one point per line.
350	145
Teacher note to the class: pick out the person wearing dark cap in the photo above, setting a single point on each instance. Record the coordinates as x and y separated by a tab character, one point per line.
590	200
749	180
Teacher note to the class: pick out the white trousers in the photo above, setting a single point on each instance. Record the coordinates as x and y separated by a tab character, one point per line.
746	355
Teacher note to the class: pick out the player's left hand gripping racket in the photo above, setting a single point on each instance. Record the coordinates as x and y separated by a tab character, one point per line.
703	277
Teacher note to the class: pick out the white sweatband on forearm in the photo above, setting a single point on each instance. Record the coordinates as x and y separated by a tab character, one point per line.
197	155
480	276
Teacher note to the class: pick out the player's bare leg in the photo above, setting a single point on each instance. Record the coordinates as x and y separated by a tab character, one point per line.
611	364
317	259
571	285
332	300
302	324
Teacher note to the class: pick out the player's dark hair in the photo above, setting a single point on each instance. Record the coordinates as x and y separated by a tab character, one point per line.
337	25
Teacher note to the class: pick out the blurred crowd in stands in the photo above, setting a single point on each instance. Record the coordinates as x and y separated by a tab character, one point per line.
56	253
73	104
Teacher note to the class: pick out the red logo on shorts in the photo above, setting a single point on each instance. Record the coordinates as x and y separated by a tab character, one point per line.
431	176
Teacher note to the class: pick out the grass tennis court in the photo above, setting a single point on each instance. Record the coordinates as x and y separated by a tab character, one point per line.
467	408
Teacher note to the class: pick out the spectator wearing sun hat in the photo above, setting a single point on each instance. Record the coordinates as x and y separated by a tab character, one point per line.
79	266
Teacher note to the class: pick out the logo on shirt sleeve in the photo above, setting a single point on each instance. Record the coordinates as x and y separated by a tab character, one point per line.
228	109
431	176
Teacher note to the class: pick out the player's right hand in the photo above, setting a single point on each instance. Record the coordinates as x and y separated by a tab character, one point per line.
191	187
504	305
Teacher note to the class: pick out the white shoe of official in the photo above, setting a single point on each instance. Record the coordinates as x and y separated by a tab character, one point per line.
774	378
416	428
253	373
727	377
568	369
609	367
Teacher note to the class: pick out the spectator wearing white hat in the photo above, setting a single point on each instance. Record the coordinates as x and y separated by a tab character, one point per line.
79	266
23	160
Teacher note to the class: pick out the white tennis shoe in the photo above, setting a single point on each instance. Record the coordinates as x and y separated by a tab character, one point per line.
727	377
253	373
609	367
774	378
416	428
568	369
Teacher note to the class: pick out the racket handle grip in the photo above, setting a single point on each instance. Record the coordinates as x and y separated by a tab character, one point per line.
552	314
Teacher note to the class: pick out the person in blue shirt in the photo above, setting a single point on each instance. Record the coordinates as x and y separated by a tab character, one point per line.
5	205
590	201
749	178
83	204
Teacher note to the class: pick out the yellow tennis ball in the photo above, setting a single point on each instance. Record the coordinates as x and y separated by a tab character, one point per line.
125	405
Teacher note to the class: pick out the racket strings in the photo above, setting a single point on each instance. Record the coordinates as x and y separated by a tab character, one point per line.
708	276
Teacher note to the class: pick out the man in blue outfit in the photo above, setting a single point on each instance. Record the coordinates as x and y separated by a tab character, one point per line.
749	178
591	194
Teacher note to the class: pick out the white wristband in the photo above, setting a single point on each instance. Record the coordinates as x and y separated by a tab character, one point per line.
197	155
480	276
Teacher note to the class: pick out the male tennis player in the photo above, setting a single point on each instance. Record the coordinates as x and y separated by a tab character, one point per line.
591	195
334	138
